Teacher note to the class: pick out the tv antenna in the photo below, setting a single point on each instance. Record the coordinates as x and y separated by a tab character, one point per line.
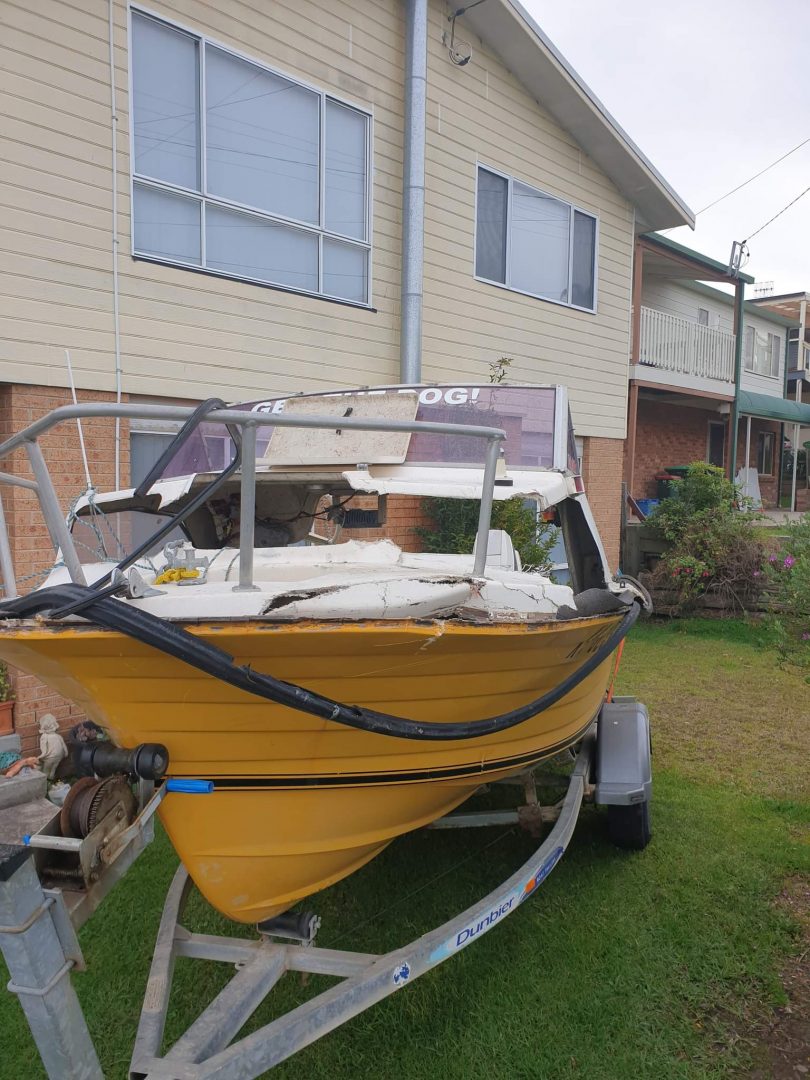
764	288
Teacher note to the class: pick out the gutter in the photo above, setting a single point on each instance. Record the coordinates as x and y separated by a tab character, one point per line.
413	191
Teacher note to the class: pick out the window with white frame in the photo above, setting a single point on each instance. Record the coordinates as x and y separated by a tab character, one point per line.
145	448
761	352
703	316
243	172
533	242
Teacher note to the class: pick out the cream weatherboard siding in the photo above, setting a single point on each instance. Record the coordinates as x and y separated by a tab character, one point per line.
183	333
480	113
676	299
192	335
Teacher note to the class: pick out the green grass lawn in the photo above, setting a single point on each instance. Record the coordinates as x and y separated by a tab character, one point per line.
623	965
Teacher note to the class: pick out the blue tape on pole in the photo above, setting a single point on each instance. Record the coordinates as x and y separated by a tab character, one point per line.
190	787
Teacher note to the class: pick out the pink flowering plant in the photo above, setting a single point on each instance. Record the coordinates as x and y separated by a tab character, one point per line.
687	576
788	573
713	546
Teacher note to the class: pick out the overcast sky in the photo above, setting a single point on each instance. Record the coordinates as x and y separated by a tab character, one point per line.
712	91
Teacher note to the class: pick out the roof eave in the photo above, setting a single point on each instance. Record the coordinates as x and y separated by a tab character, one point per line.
513	34
667	244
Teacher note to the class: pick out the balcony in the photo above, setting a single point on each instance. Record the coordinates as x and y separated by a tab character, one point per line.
684	354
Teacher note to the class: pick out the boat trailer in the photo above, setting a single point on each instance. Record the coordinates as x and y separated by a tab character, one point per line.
38	925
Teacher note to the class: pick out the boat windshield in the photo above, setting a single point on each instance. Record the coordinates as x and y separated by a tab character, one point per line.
526	413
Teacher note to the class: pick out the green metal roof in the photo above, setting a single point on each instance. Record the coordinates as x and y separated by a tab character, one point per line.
696	256
772	408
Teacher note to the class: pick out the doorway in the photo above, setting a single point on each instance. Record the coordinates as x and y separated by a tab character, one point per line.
717	443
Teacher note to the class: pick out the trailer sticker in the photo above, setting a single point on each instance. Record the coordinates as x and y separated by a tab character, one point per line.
536	880
401	974
501	908
473	929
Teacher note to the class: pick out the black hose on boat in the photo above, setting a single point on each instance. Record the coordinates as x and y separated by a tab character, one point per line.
175	641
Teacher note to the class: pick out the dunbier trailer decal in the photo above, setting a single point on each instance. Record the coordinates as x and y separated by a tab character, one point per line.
501	908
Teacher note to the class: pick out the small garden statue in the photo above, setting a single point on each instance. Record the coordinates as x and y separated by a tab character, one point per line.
51	744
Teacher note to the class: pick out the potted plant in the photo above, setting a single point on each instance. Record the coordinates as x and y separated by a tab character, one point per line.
6	701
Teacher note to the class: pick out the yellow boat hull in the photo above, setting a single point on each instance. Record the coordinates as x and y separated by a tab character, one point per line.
301	802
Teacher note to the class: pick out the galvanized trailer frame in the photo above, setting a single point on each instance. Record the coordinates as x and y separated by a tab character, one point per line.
38	938
204	1053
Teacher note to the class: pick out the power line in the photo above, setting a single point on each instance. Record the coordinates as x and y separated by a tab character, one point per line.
756	176
775	216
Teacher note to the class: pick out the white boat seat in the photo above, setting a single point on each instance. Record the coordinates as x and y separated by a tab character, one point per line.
501	551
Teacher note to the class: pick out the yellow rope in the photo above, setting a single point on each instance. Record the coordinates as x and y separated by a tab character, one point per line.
175	574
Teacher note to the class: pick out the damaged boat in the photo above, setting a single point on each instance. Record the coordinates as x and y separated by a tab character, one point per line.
334	693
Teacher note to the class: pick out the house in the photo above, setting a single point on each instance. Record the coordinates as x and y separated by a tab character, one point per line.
794	307
707	376
246	200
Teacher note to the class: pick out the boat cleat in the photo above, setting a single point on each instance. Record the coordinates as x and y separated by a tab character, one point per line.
183	566
137	588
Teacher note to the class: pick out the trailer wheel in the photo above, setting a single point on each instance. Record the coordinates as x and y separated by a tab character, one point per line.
629	826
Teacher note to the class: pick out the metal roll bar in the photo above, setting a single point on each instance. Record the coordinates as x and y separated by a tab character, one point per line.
247	422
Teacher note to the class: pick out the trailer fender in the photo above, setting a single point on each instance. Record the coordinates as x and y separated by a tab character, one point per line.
623	754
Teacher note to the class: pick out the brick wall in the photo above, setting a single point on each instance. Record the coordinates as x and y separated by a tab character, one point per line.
404	514
31	547
668	435
602	461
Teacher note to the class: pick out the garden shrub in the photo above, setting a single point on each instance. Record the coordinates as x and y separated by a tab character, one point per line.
455	523
789	576
714	548
704	488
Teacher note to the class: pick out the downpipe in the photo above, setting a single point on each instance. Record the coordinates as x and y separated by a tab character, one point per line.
413	191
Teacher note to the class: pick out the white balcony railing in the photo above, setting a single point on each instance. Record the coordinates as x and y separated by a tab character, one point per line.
689	348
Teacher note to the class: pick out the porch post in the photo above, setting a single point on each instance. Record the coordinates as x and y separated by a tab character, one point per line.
800	348
739	301
747	445
798	396
635	355
632	419
795	470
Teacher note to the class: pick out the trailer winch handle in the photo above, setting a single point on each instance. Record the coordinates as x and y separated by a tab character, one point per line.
189	787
